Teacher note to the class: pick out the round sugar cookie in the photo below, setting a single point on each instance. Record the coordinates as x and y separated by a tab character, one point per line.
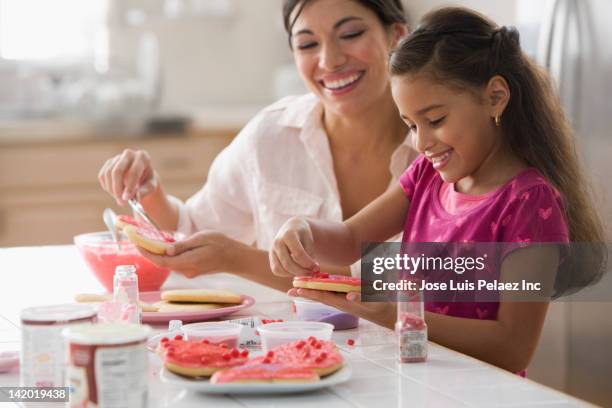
147	239
163	306
201	296
320	356
268	373
324	281
97	298
125	220
198	359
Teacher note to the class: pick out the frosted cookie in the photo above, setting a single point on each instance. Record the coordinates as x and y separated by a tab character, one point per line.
144	235
198	359
324	281
148	239
165	307
268	373
201	296
320	356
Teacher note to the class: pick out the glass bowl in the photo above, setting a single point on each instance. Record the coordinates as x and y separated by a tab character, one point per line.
102	257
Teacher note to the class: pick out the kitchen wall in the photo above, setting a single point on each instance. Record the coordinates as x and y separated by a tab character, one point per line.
502	12
241	58
232	59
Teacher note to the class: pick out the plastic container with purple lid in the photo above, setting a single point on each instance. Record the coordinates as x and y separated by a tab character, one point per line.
308	310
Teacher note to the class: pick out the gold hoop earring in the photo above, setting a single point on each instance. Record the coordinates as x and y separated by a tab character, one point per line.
497	120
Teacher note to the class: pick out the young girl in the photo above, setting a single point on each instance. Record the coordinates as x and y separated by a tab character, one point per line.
498	164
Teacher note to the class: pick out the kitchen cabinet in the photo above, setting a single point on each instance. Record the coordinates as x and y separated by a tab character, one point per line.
49	190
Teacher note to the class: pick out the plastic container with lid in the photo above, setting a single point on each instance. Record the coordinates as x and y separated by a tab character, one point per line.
309	310
107	365
275	334
42	345
214	332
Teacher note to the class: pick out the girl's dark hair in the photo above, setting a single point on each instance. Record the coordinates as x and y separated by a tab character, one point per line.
387	11
462	48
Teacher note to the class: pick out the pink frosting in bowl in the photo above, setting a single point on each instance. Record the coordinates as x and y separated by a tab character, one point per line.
102	257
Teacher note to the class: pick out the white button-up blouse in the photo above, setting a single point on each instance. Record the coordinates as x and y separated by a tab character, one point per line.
278	166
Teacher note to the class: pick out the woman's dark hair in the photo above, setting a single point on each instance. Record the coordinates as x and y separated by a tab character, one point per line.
462	48
387	11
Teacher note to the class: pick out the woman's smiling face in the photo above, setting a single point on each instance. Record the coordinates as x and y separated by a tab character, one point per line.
341	50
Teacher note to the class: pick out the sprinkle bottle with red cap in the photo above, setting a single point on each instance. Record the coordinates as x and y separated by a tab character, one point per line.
126	291
410	328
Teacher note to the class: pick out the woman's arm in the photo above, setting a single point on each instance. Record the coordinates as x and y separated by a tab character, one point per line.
161	209
300	243
210	252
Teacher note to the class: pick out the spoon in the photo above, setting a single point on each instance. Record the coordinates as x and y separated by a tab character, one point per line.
109	217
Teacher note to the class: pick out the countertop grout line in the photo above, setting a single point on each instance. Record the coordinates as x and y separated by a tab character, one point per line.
351	403
436	390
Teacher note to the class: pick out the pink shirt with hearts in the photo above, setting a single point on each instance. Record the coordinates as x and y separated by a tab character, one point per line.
527	209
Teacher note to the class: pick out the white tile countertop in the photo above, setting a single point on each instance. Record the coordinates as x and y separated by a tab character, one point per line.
49	275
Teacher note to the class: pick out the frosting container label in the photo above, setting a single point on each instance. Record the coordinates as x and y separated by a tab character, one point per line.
121	375
108	376
42	356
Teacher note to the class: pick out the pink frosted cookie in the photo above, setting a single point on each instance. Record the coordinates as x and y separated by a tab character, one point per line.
199	359
144	235
264	373
319	355
324	281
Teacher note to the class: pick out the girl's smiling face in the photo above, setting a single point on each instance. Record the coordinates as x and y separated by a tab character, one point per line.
341	51
452	128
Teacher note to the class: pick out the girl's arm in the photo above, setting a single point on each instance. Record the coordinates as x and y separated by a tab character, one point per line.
301	242
510	341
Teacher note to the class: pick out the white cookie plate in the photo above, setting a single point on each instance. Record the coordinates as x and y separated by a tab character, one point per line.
204	386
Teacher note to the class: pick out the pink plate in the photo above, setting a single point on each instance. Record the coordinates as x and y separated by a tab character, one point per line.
200	316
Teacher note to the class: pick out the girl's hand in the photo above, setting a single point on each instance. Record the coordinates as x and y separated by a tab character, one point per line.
382	313
128	175
201	253
292	251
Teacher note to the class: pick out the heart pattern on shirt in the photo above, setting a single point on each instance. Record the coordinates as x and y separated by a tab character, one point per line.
493	227
433	220
545	213
442	310
482	314
525	196
506	220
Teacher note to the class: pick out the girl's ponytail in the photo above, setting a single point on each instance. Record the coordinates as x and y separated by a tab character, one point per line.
462	48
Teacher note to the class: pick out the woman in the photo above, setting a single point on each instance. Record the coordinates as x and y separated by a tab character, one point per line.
325	155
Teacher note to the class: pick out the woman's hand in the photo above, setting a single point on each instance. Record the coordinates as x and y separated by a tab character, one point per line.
201	253
128	175
382	313
292	251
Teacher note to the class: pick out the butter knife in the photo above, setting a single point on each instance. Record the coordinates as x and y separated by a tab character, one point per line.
138	209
